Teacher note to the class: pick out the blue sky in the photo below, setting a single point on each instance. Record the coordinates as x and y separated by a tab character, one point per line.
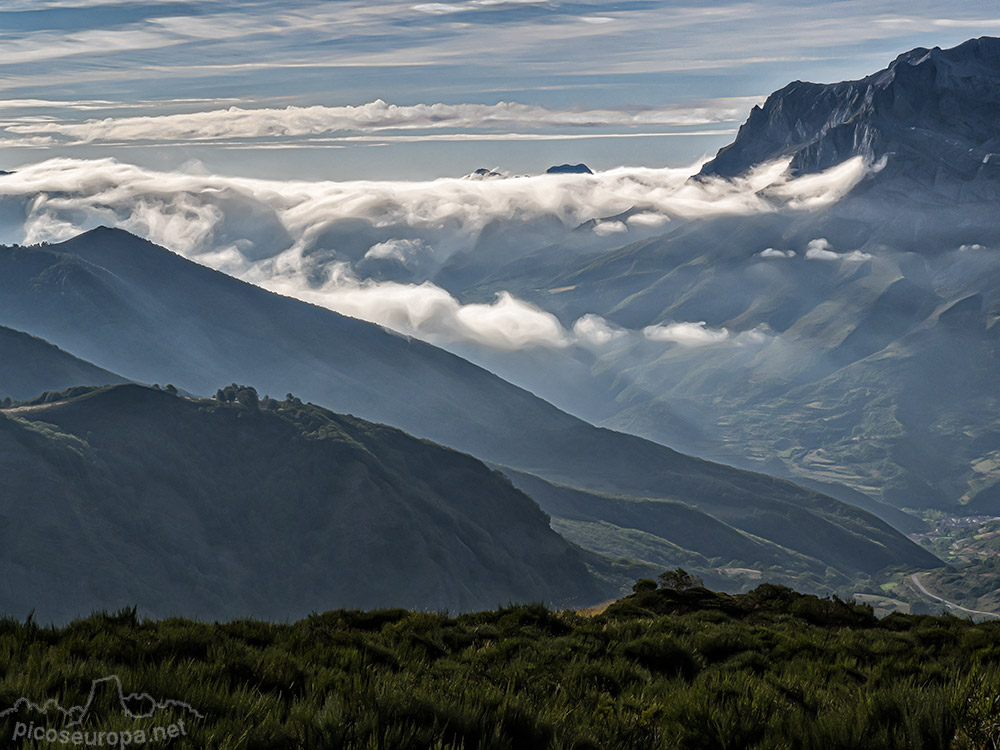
640	82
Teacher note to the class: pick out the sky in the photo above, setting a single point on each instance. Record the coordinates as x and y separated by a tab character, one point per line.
344	90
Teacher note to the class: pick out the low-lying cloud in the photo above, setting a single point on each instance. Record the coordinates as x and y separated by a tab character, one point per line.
401	251
373	249
700	334
605	228
596	331
821	249
817	190
647	219
429	312
771	252
686	334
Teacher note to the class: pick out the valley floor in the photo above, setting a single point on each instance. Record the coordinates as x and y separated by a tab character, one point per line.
951	605
969	585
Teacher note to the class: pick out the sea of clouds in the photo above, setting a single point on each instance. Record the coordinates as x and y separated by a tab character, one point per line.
300	238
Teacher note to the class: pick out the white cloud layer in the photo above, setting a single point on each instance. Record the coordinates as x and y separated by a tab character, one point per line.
240	123
328	242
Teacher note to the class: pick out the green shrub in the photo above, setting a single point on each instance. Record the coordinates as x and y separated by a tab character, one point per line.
662	656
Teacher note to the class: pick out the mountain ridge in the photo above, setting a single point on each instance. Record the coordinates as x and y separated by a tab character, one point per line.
281	508
929	115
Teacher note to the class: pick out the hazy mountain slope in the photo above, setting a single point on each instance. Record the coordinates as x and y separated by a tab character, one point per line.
849	343
881	378
928	408
884	385
669	535
798	327
29	366
157	317
732	534
131	495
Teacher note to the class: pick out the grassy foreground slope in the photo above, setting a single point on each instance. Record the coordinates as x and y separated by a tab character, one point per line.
661	669
130	495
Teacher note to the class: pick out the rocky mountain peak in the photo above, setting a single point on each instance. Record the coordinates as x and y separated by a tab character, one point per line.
932	114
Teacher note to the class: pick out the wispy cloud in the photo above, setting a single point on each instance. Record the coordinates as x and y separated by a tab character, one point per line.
389	138
472	5
90	105
236	122
593	56
524	39
968	23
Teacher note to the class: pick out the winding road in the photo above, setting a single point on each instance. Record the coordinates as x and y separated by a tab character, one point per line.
923	590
